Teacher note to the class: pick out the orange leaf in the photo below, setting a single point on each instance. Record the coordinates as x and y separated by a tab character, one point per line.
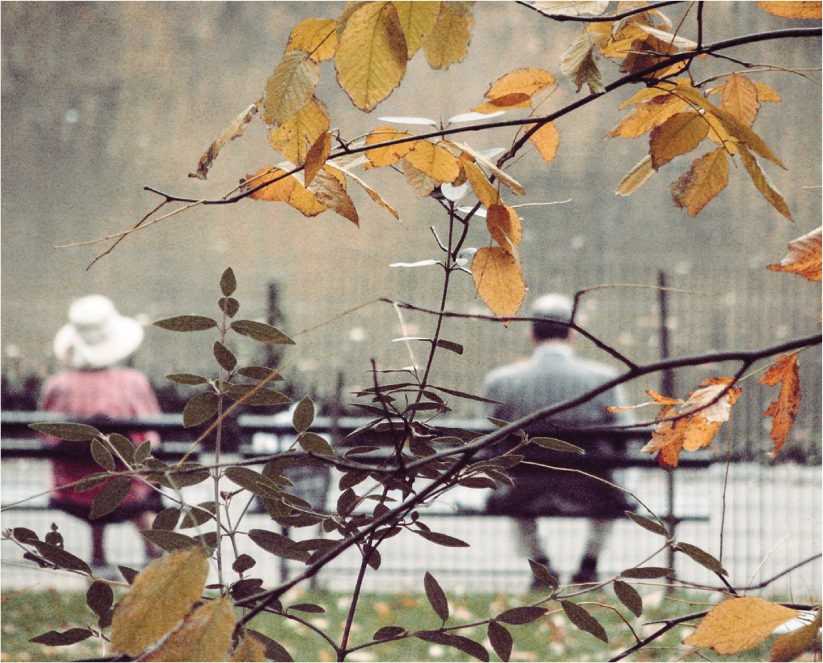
706	178
803	257
763	183
740	98
315	36
485	191
647	115
546	139
513	100
678	135
305	202
280	189
530	81
505	227
788	9
790	645
330	192
738	624
784	410
435	161
499	280
160	597
317	155
386	156
695	423
249	649
205	635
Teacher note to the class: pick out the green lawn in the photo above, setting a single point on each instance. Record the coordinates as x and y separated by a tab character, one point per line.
550	638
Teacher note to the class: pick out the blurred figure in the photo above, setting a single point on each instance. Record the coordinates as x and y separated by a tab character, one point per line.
89	347
553	374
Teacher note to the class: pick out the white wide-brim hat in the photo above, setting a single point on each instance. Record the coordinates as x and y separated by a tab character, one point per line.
97	335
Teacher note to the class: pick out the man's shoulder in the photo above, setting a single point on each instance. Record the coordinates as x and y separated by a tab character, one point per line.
593	367
504	373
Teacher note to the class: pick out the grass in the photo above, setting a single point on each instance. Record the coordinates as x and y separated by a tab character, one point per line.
550	638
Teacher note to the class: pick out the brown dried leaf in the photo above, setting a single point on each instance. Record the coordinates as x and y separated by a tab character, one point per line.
330	192
647	115
316	156
789	9
233	130
804	257
578	64
678	135
785	370
205	635
482	160
790	645
316	36
763	182
161	595
499	280
706	178
372	194
738	624
280	189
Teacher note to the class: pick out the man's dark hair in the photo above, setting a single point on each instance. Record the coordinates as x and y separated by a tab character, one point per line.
546	330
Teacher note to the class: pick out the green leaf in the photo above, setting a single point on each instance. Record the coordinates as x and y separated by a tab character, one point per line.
229	305
255	395
501	640
142	452
187	378
91	481
629	597
313	443
123	446
557	445
199	409
186	323
110	497
259	331
169	541
277	544
228	283
450	345
442	539
647	572
649	524
101	455
523	615
57	639
436	597
260	373
68	432
702	557
253	482
303	415
224	356
583	620
167	519
198	515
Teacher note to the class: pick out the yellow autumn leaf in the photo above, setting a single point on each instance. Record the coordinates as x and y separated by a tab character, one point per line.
763	182
765	93
205	635
530	81
448	43
644	95
371	57
390	154
505	227
647	115
484	161
292	140
485	191
546	139
434	160
305	202
636	177
417	19
248	649
290	87
706	178
788	9
317	37
160	596
739	97
790	645
329	191
678	135
738	624
578	64
420	183
499	280
803	257
317	155
784	370
280	188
